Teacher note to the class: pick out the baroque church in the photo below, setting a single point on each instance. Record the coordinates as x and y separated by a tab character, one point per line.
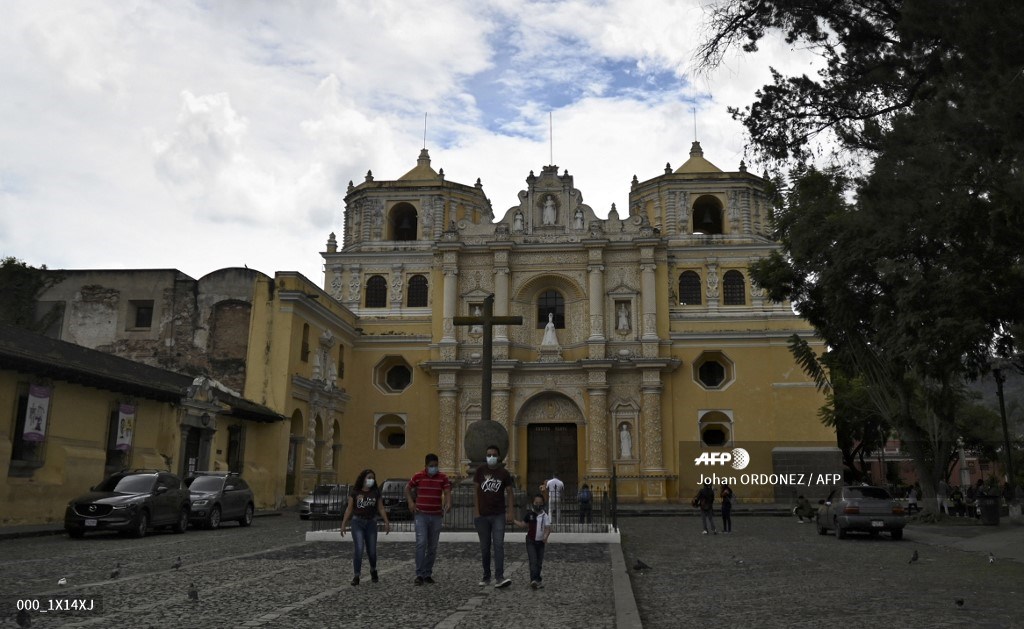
644	353
643	344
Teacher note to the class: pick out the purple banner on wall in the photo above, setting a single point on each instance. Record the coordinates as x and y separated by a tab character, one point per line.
37	413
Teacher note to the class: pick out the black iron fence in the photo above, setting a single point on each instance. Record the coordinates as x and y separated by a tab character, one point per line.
570	512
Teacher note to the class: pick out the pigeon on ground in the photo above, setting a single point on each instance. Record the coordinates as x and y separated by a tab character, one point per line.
24	618
177	563
116	572
913	557
959	602
639	565
193	593
991	558
62	581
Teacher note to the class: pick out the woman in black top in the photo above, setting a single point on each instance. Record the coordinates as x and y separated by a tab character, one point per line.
364	505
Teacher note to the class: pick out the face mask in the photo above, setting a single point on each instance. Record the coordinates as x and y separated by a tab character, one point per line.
432	470
368	483
492	461
538	508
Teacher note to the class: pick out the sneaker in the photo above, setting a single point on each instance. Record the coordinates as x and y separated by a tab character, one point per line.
703	532
715	532
373	576
428	580
484	582
503	583
540	586
355	580
534	584
418	581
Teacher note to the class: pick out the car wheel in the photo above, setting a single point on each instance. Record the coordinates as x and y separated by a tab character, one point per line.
213	522
76	533
897	534
141	525
840	532
182	524
246	518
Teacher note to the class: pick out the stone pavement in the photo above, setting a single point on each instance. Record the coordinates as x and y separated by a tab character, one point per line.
772	572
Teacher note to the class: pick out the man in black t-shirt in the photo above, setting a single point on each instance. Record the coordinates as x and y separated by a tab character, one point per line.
493	501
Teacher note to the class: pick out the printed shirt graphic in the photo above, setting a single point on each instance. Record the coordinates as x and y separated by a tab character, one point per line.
429	491
365	502
490	489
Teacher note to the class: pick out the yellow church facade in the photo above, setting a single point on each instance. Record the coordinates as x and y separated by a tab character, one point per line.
643	345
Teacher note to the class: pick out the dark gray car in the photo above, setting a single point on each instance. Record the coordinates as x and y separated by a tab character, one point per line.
860	508
220	496
131	503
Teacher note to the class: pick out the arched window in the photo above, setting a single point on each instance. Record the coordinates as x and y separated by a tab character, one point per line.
376	292
551	302
417	292
689	289
403	222
707	215
733	289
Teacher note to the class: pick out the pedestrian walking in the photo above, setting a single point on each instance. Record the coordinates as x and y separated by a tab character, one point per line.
586	503
537	523
705	501
433	498
727	496
364	506
493	503
555	489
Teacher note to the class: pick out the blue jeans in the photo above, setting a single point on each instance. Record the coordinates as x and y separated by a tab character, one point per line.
535	552
707	518
428	531
491	530
364	535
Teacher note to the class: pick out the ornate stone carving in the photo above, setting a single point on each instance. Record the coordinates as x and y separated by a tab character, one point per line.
336	284
447	437
354	284
597	431
712	281
651	417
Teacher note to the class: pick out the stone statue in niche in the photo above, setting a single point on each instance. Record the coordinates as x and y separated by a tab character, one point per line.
517	222
550	213
549	331
622	322
625	442
577	221
476	329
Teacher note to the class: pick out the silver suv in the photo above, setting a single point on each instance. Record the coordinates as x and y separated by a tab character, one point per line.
325	501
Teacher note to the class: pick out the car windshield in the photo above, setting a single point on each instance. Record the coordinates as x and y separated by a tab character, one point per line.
874	493
206	483
128	484
323	490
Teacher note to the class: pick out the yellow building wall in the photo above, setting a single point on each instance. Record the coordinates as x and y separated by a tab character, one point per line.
75	446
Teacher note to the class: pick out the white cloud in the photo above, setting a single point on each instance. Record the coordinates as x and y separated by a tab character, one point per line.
197	135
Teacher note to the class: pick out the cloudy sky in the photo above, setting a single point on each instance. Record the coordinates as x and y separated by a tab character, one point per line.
206	134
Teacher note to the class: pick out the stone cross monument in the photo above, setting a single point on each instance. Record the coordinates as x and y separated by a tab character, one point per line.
485	432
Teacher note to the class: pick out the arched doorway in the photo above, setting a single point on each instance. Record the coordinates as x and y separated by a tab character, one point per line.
552	440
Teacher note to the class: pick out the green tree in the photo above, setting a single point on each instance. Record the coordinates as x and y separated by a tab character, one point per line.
21	285
904	248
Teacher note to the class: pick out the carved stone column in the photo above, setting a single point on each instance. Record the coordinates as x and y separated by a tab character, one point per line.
649	302
597	431
448	428
451	277
653	456
596	302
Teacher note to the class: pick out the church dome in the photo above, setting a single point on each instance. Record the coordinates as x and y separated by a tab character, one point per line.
697	163
422	171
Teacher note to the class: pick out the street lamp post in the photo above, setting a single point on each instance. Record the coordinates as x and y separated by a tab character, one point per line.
1000	379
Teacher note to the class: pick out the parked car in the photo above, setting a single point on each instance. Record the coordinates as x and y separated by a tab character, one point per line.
219	496
393	494
860	508
130	502
325	501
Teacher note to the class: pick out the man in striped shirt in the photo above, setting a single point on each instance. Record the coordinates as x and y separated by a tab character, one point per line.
432	500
